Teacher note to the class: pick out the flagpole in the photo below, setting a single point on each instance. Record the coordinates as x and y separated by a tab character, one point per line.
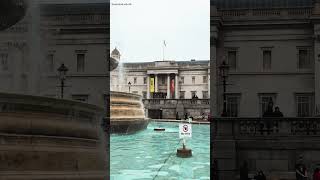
163	51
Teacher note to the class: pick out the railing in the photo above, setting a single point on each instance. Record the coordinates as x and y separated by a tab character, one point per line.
281	127
274	12
176	101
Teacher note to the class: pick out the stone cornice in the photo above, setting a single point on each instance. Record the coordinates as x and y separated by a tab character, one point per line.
271	73
96	21
81	19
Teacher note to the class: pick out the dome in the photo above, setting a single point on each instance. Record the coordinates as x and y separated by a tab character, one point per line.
115	52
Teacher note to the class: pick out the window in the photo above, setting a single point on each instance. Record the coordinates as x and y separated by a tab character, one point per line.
232	59
233	105
304	58
144	95
193	79
205	95
266	59
106	100
205	79
80	62
193	93
144	80
134	80
4	62
163	80
182	94
50	59
264	99
82	98
304	105
135	92
182	80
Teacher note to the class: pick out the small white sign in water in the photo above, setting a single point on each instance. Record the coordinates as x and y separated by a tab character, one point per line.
185	130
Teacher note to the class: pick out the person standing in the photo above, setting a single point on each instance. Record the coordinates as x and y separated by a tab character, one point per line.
260	175
244	171
301	171
277	112
316	174
269	111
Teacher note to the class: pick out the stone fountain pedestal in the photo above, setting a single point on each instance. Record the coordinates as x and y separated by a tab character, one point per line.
127	113
47	138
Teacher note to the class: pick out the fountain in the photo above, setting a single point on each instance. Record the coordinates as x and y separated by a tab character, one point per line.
127	110
48	138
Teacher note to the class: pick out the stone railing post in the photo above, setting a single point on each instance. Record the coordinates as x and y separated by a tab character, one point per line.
224	148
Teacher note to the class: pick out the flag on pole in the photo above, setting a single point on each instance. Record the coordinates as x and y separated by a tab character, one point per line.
164	43
172	89
151	84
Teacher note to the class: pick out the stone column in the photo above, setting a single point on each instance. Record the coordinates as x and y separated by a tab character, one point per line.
209	82
215	57
156	83
148	86
168	86
15	57
317	68
176	86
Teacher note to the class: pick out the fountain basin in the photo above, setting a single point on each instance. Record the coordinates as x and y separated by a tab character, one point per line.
126	113
48	138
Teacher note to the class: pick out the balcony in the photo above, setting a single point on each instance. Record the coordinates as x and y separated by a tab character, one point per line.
175	102
247	128
300	13
271	144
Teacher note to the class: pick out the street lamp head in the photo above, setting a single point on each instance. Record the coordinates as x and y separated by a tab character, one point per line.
62	71
129	83
224	69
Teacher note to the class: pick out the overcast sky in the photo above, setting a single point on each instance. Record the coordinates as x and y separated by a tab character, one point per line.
139	29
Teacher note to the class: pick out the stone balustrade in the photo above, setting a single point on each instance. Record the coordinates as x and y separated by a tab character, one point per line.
176	101
302	12
273	145
264	127
193	107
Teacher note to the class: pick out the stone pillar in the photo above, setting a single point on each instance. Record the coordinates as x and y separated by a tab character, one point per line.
209	82
176	87
224	149
317	68
15	57
148	86
316	8
215	55
156	83
168	86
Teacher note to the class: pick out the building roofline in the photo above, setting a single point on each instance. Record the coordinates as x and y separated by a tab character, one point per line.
74	9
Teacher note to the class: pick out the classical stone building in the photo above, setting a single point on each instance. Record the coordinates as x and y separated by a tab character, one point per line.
51	34
170	85
272	48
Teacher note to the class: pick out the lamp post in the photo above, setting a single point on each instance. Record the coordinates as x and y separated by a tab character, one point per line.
224	68
129	84
62	75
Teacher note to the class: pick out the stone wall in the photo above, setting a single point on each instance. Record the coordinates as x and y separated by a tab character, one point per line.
271	145
170	107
